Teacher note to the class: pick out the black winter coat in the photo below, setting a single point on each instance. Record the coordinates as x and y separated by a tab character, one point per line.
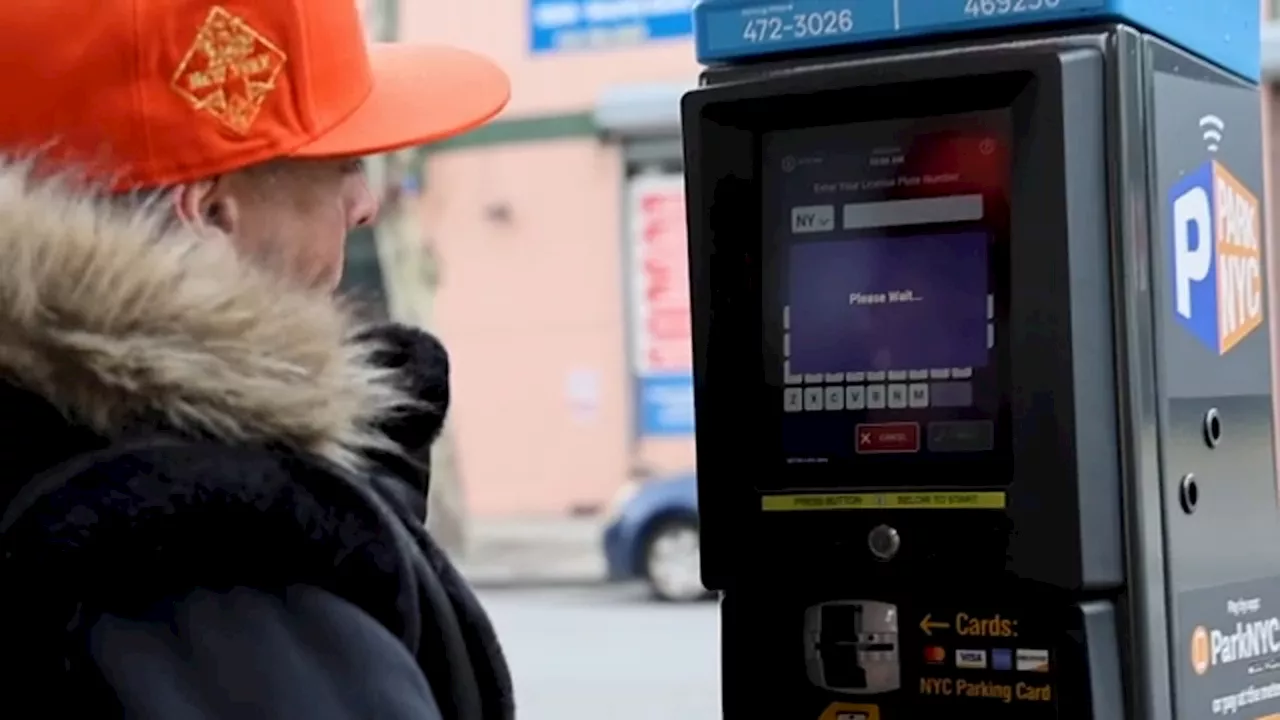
213	496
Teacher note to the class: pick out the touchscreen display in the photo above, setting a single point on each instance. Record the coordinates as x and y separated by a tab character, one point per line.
885	245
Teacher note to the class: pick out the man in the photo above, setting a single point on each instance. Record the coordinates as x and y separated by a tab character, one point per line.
211	507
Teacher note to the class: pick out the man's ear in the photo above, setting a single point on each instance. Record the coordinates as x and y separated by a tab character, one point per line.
207	204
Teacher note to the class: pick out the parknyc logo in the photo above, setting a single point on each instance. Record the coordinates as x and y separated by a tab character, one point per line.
1216	238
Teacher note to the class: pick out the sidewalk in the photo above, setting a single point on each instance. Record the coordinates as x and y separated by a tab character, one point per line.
531	552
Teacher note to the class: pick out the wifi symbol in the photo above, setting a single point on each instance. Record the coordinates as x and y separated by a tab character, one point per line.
1211	127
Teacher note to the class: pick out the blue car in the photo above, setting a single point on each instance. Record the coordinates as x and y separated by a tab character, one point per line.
652	535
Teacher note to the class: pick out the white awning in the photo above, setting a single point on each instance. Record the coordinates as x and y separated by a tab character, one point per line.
1271	50
641	109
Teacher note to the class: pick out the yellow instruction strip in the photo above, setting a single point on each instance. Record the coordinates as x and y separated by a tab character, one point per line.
984	500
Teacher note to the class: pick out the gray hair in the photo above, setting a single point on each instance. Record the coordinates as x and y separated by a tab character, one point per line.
157	202
151	199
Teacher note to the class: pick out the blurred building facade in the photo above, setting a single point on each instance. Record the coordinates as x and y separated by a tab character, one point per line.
559	240
558	245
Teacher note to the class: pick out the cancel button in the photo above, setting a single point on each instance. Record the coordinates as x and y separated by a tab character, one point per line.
900	437
961	436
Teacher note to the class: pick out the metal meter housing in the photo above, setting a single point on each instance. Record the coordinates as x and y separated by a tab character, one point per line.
1049	306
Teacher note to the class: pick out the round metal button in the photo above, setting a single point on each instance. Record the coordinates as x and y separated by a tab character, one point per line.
884	542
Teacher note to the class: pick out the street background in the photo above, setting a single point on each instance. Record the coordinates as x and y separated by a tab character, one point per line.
583	653
590	237
547	250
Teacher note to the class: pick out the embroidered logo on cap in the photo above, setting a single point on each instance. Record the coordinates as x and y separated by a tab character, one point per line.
229	70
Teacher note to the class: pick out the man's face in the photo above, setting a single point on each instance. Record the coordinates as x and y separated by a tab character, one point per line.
292	216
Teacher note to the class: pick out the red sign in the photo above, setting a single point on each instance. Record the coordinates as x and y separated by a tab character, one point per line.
902	437
663	341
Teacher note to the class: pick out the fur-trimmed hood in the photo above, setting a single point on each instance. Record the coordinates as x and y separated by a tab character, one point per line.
118	320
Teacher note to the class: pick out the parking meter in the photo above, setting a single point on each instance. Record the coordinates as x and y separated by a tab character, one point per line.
982	366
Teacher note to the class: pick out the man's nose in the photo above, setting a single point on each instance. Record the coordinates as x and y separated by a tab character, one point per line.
364	205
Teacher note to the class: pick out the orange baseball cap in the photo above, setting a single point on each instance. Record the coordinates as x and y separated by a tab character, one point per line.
147	93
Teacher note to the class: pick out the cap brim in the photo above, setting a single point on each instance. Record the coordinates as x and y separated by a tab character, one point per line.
421	94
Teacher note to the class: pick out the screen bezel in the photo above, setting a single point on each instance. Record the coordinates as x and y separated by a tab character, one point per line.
1055	164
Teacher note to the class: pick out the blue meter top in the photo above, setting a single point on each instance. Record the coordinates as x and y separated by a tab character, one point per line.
1225	32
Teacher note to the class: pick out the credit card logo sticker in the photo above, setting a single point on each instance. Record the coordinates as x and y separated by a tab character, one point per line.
1001	659
1033	661
971	659
1215	244
935	655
